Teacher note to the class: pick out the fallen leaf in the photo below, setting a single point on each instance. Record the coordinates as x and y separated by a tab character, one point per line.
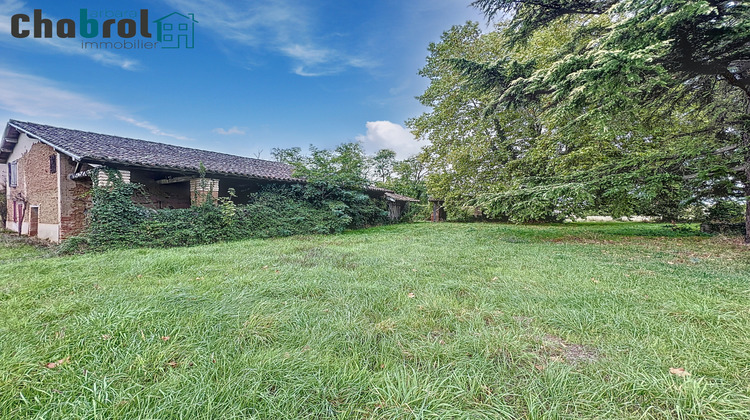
411	295
494	279
539	367
670	262
681	372
52	365
595	280
165	338
172	364
198	278
106	336
265	267
413	269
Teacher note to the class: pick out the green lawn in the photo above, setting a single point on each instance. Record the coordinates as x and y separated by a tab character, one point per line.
407	321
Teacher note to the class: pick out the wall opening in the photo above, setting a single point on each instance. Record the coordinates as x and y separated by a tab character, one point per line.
34	221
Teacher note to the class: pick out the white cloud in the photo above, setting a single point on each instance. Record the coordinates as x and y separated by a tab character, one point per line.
281	26
37	97
229	132
57	45
150	127
307	54
301	71
388	135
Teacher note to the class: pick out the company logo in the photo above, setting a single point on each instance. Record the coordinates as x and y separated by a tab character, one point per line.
175	30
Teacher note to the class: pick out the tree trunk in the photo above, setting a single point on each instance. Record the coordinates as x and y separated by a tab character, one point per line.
22	205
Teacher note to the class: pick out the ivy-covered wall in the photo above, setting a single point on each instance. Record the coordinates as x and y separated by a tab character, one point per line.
116	221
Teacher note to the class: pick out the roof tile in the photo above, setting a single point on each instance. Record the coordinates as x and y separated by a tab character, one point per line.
107	148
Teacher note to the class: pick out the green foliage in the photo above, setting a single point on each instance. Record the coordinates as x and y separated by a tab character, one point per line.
572	107
277	210
74	245
345	166
114	218
408	178
337	175
382	164
685	228
726	212
543	203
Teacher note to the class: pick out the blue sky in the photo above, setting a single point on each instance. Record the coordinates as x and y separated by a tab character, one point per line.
262	74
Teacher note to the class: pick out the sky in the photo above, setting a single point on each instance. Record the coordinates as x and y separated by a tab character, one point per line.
262	74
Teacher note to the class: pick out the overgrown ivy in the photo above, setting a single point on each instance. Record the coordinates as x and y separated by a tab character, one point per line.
115	221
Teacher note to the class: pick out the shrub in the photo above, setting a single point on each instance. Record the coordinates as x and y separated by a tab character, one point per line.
726	212
277	210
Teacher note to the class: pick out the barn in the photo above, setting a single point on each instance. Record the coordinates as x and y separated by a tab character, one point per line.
49	173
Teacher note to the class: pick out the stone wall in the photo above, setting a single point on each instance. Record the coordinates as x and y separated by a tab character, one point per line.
202	188
36	185
75	199
160	196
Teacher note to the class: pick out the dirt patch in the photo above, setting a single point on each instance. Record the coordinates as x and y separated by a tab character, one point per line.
586	241
556	349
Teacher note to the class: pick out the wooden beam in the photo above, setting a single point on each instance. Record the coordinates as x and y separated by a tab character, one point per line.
174	180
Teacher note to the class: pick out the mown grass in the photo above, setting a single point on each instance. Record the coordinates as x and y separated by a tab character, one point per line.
406	321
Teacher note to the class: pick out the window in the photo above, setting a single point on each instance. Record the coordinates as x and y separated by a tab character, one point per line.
15	212
167	26
13	174
52	164
182	26
167	37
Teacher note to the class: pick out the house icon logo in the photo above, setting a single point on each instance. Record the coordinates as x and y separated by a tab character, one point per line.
176	30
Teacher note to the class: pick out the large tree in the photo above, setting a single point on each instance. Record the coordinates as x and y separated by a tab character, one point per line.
650	55
474	146
515	158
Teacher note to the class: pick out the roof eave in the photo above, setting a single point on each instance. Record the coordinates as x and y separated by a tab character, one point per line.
47	142
189	170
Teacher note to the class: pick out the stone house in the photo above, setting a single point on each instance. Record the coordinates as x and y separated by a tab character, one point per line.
49	176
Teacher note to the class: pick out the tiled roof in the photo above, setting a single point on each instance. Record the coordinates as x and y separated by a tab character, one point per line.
105	148
399	197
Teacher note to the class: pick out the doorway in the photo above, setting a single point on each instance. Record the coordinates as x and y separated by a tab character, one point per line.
34	221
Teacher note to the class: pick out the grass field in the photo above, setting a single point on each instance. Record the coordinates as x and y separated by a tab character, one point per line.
406	321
